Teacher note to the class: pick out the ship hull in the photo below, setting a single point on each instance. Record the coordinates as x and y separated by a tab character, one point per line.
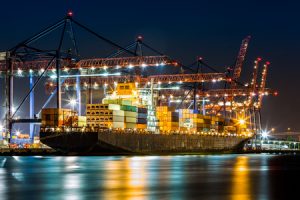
108	142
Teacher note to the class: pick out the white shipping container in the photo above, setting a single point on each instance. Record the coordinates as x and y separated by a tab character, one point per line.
114	107
130	119
118	112
130	114
118	118
118	125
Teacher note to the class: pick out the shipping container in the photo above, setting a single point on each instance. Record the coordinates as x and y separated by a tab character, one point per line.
142	110
126	102
141	126
131	119
142	115
114	107
130	125
118	118
141	120
130	114
118	125
118	113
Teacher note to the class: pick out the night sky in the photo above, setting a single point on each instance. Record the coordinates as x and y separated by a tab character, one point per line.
185	30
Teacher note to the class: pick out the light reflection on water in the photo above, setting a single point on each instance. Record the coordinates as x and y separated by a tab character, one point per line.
241	180
233	177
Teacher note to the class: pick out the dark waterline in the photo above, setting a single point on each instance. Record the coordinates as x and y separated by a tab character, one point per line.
237	177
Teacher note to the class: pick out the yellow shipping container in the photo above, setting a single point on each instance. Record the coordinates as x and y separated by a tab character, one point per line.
126	88
141	126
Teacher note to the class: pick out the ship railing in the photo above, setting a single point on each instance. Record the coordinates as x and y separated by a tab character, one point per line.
89	129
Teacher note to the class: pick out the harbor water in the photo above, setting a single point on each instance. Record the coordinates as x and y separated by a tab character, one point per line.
232	176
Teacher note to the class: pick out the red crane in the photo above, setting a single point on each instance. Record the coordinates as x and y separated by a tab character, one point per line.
239	62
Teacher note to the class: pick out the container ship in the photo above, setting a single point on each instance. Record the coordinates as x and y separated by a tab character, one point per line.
128	121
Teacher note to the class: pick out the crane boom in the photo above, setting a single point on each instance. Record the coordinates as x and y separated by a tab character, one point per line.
239	61
262	86
253	84
165	78
100	63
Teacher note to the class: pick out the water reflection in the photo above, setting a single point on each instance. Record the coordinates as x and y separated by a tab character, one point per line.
241	180
145	177
126	179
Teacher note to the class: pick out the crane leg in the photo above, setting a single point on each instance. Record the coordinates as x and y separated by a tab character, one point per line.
31	108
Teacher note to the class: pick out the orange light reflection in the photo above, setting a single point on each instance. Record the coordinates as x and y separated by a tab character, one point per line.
241	180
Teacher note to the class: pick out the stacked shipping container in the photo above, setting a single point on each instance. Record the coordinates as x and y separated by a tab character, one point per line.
168	119
116	116
54	117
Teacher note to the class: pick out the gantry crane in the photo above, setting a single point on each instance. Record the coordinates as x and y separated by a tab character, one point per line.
65	70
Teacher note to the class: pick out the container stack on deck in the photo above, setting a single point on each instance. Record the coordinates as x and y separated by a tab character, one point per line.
168	119
190	122
104	116
53	117
116	115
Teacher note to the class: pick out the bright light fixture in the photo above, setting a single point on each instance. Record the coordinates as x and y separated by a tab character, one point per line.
242	121
73	102
130	66
264	134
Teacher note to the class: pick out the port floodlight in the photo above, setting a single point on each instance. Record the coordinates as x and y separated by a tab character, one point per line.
130	66
162	64
264	134
72	101
18	132
242	121
19	72
53	76
13	109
